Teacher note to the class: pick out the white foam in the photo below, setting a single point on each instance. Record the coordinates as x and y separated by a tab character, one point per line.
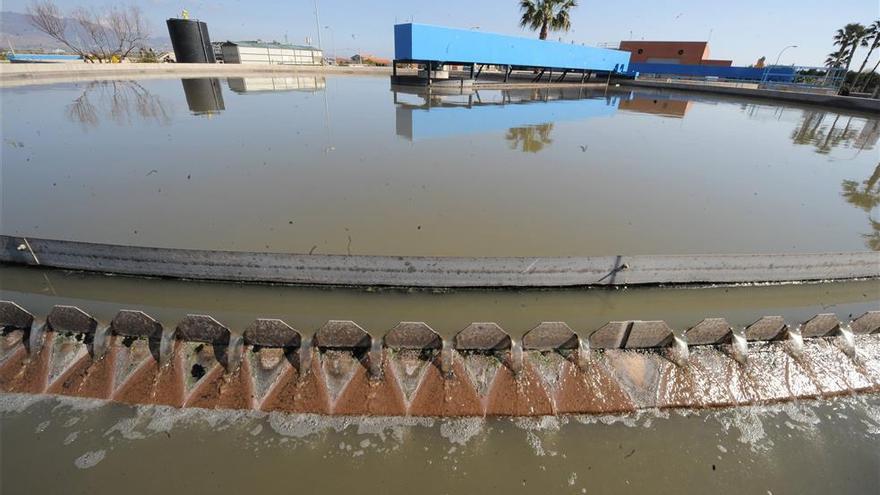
462	430
302	425
18	403
747	420
90	459
71	438
535	442
872	424
395	426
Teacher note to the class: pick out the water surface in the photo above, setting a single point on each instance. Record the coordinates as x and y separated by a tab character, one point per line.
348	165
80	446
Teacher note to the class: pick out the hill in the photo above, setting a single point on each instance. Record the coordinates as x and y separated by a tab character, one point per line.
17	32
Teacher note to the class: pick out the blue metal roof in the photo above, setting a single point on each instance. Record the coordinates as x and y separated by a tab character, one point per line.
41	57
420	42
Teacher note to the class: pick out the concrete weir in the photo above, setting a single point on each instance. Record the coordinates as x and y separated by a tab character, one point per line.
621	367
421	271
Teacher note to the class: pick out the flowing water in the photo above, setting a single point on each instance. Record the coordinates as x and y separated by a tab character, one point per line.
347	165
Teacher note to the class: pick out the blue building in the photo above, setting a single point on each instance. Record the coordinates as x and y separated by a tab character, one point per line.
433	47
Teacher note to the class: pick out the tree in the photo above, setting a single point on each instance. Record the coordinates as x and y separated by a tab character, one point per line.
835	58
874	39
546	15
869	77
852	36
99	35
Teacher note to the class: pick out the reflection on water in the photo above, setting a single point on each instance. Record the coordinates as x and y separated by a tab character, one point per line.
265	84
866	196
527	115
118	101
411	176
530	139
663	105
203	95
826	130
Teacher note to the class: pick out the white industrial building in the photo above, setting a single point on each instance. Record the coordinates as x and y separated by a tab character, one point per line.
258	84
260	52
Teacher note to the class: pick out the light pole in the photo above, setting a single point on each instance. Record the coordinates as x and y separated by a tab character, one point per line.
781	52
318	25
332	42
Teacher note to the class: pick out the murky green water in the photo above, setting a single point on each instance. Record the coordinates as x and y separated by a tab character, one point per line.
345	165
76	446
517	311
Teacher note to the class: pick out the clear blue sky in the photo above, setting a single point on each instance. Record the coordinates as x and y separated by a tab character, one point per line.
742	30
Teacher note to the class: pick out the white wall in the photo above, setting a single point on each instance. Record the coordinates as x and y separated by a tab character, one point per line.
256	55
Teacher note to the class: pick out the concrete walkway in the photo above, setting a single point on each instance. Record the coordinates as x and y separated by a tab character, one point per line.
420	271
843	102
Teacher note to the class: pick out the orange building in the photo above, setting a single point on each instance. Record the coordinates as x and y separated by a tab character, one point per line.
671	52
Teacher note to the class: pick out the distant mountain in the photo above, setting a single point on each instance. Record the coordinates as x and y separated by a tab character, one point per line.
16	31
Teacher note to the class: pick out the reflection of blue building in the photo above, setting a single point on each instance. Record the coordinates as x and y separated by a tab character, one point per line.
467	114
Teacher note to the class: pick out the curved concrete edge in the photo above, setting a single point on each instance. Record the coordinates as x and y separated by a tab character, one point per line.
437	272
834	101
13	75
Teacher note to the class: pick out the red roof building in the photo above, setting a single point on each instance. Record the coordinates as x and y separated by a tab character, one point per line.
671	52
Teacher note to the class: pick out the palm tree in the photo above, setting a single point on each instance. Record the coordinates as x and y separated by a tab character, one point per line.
852	36
874	39
868	78
834	58
545	15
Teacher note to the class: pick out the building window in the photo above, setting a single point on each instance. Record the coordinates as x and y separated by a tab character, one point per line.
640	51
681	52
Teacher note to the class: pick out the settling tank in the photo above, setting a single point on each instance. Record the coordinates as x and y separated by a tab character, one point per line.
191	42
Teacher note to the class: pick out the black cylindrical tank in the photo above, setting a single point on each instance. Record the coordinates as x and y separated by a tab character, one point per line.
191	42
203	95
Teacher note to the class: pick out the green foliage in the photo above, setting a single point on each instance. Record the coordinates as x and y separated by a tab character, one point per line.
546	15
847	40
146	56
